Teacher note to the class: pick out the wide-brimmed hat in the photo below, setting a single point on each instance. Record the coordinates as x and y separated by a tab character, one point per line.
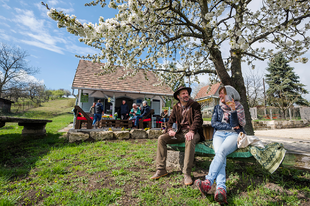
176	93
232	92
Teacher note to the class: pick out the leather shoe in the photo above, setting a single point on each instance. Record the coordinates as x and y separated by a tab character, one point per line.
188	180
159	174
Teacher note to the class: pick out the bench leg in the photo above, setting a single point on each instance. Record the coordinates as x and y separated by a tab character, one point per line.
33	130
2	124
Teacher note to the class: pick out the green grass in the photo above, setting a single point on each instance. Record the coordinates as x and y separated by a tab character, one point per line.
207	119
51	171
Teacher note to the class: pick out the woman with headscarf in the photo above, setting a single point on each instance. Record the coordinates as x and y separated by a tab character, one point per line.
228	120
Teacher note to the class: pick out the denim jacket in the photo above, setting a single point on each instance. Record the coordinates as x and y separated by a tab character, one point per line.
217	124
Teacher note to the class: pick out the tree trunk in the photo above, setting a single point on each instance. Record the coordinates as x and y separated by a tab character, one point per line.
236	80
238	83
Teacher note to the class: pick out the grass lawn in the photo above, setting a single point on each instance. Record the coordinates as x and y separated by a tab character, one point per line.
50	171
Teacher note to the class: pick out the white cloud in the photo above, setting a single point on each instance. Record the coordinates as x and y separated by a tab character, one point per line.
4	24
81	50
37	30
27	18
6	6
67	11
44	46
34	56
4	36
23	3
53	2
24	77
82	21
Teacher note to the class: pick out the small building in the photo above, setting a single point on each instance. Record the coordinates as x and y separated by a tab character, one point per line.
208	97
5	105
111	90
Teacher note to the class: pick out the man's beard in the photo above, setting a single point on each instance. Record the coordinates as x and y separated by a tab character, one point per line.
182	99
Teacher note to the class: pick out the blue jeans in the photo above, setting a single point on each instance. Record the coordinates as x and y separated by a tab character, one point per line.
164	119
97	117
137	118
224	143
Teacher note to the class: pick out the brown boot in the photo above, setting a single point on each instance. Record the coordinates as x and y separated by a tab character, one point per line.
159	174
187	180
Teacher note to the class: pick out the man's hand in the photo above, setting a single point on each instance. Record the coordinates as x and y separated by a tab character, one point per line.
171	133
236	127
189	135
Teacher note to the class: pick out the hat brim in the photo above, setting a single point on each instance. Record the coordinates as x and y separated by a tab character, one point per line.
176	93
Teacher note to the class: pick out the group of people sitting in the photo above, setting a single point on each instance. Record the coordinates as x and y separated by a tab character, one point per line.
135	114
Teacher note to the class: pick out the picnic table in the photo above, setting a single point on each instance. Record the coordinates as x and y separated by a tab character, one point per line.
32	127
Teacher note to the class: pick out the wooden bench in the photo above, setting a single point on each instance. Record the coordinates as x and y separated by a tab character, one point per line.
205	147
115	123
146	121
85	119
32	127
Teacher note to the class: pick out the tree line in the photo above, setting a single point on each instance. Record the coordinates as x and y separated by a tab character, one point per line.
14	78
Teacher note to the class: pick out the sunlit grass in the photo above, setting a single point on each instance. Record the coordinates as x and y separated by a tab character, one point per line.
51	171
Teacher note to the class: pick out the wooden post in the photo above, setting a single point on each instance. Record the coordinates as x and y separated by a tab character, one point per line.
113	105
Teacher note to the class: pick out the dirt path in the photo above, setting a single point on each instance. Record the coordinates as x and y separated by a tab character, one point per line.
294	133
295	140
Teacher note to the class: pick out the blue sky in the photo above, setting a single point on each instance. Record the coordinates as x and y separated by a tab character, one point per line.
25	24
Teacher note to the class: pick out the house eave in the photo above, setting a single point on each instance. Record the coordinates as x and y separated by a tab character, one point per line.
120	91
207	97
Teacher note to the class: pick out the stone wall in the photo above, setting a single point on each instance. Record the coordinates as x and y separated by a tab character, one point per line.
253	112
305	113
75	135
263	125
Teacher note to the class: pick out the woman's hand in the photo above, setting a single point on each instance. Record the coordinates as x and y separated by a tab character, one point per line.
232	104
236	127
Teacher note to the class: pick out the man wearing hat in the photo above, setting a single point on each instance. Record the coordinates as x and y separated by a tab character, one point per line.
187	116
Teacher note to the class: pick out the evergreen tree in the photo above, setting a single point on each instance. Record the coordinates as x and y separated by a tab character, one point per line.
284	86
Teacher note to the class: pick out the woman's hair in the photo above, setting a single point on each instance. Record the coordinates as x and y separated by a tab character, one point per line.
224	89
165	110
144	102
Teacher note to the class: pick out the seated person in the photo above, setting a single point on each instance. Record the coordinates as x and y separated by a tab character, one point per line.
145	109
164	118
134	112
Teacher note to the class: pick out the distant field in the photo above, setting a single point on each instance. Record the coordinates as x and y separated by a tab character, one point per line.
48	109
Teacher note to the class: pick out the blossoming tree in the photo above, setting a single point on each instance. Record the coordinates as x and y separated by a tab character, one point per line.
199	36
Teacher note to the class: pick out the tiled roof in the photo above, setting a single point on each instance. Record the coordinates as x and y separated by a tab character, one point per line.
204	91
85	78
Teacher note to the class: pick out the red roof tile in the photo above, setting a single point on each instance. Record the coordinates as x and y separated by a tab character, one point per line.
204	91
85	78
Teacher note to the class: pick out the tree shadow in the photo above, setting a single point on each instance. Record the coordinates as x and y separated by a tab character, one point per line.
19	154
